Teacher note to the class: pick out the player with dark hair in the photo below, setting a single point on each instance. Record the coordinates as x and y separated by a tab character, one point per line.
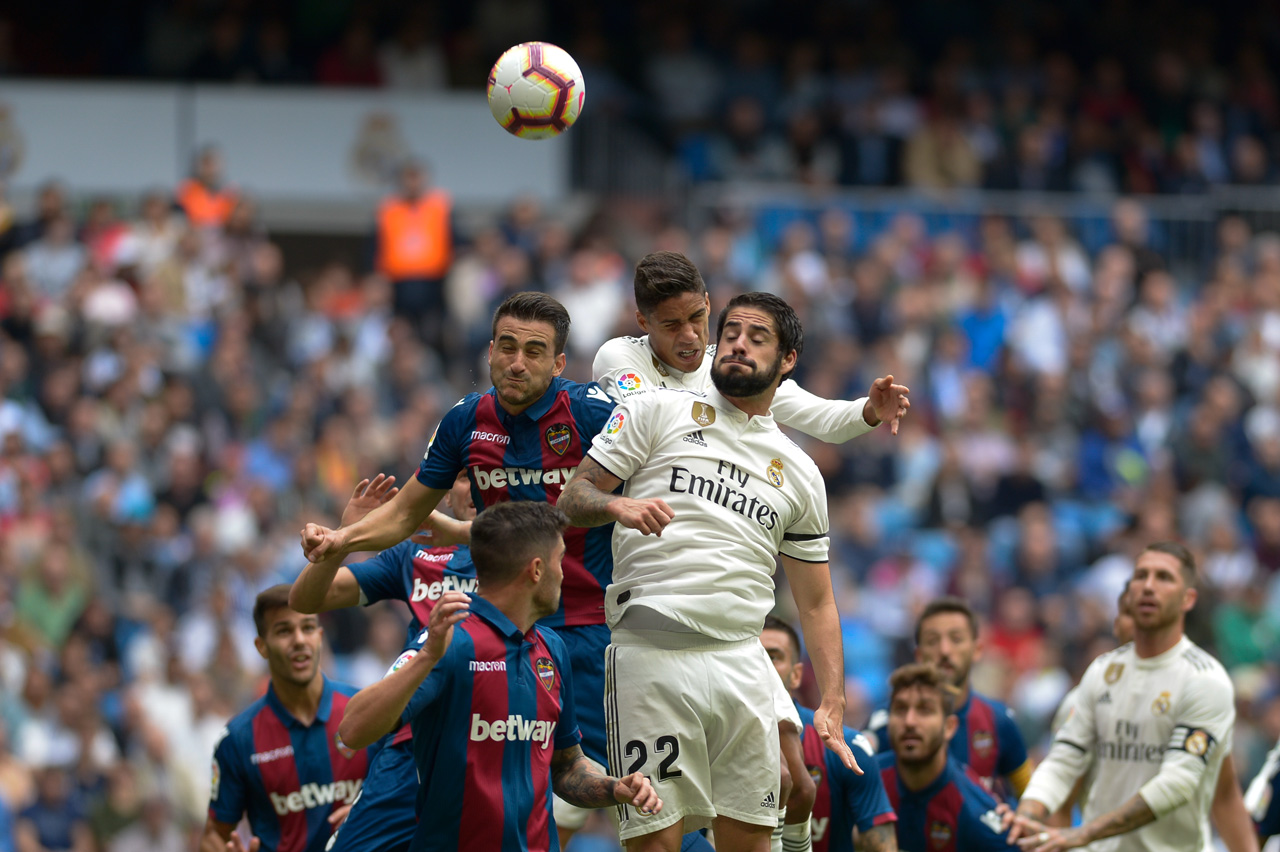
488	696
987	739
941	805
281	759
714	493
1151	724
844	800
418	574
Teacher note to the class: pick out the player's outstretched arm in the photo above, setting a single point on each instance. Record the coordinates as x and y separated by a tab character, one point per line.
576	780
1229	814
879	838
820	622
215	835
589	502
389	524
376	709
328	584
1033	835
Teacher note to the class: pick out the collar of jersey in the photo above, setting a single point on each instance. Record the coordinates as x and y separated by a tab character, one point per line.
322	714
536	411
944	778
723	404
496	617
1160	659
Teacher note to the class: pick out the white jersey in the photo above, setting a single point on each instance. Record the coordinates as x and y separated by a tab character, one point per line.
742	492
1157	727
626	366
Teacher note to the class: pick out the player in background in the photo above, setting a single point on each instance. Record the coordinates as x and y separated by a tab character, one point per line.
383	818
1261	799
941	804
844	800
714	494
987	740
487	695
281	759
1229	812
674	308
1152	720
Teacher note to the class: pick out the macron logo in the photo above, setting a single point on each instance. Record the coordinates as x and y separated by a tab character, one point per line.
424	591
488	665
268	756
512	728
491	437
316	796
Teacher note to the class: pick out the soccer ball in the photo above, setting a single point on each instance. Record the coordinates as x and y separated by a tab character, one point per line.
536	90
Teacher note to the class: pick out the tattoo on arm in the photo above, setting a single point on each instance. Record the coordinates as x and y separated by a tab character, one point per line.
880	838
576	781
1031	808
587	496
1133	814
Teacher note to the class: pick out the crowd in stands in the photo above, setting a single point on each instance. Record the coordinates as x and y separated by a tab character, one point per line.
1160	96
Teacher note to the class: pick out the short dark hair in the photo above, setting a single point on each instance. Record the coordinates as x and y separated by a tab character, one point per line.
268	600
949	603
786	324
772	622
928	676
1123	605
506	536
1178	551
663	274
532	306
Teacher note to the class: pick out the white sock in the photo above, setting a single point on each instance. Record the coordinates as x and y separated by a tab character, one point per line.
797	837
775	842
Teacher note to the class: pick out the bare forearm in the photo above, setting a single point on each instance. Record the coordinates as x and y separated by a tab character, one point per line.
1033	809
312	586
1229	814
822	639
880	838
376	709
384	527
585	504
1133	814
575	780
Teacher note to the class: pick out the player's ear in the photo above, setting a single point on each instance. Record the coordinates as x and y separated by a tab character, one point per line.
789	362
261	646
1189	599
950	725
489	358
642	322
561	360
795	676
534	569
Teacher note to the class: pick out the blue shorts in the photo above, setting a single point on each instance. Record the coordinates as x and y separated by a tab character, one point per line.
586	645
384	818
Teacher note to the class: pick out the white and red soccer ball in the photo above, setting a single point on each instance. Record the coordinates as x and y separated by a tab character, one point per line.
536	90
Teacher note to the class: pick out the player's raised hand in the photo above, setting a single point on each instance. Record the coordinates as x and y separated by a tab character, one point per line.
828	721
368	496
452	607
637	791
889	401
319	543
649	516
235	844
339	816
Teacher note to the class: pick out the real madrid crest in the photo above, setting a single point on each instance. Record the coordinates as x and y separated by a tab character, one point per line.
1113	672
1197	743
703	414
1161	705
546	671
774	473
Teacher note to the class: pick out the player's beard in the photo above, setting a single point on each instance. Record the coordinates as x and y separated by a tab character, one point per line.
518	395
737	385
929	749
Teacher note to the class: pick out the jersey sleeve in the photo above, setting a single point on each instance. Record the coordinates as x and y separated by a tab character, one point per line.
443	458
229	788
1261	800
1013	749
980	824
434	684
862	796
806	539
1202	728
591	410
832	420
1073	745
382	577
627	439
619	368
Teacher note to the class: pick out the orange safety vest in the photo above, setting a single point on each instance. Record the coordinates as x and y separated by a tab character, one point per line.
204	207
414	238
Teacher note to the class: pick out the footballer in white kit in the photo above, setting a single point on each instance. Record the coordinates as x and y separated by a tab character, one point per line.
714	493
1151	730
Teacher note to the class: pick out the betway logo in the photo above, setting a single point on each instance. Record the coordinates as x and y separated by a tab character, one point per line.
492	437
422	591
315	796
510	476
818	828
512	728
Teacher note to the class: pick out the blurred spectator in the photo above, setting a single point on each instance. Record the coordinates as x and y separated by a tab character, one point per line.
203	197
939	155
353	61
154	830
56	820
415	249
412	60
54	260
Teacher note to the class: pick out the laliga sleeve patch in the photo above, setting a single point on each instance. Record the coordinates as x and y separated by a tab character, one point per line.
400	662
614	426
629	382
215	781
1194	741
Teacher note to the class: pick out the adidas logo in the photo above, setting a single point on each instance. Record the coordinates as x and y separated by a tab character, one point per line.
1106	698
695	437
768	798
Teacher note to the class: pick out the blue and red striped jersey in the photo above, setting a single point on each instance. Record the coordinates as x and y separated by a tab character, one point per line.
952	814
530	456
846	800
988	740
288	776
486	722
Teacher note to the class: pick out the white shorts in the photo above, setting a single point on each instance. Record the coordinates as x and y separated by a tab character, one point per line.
783	707
700	721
